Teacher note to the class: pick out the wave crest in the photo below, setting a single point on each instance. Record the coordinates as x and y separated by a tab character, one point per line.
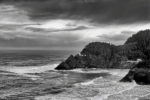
31	69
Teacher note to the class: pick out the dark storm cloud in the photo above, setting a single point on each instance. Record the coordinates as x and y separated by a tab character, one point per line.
102	11
70	23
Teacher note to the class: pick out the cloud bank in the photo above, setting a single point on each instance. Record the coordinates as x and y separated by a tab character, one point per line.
56	24
101	11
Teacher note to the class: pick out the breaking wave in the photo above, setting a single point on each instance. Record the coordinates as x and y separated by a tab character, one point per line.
31	69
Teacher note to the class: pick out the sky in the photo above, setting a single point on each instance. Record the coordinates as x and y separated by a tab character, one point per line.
70	24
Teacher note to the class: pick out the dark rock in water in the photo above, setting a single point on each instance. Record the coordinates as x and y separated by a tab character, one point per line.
140	73
71	63
142	78
128	77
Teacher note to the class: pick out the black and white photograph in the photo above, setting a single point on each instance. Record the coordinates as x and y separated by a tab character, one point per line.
74	49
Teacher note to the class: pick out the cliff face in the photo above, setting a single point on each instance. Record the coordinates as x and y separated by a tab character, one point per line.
96	55
105	55
139	48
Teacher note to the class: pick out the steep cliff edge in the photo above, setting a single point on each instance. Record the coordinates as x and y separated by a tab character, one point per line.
140	73
106	55
96	55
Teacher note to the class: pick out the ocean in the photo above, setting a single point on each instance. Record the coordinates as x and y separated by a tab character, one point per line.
31	75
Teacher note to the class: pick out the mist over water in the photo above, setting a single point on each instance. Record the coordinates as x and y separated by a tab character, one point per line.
31	61
29	58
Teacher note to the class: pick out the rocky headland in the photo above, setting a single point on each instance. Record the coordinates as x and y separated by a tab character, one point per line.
140	73
97	55
126	56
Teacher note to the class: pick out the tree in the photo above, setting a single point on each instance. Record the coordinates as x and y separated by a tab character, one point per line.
138	46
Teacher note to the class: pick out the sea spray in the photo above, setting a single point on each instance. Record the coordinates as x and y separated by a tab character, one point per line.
114	90
31	69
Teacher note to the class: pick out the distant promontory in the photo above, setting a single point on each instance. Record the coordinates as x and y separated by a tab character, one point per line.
134	54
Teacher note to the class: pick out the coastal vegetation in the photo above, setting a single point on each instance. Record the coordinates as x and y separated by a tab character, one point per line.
138	46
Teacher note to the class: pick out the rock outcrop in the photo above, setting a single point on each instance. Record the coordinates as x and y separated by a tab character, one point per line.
96	55
139	48
140	73
72	62
105	55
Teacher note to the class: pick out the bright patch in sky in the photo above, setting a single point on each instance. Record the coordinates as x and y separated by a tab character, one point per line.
17	29
61	24
58	24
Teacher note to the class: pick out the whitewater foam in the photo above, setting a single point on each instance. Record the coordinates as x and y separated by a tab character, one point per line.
90	70
27	71
127	86
90	82
34	69
118	72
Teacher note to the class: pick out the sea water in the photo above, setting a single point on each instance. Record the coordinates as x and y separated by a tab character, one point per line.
30	75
